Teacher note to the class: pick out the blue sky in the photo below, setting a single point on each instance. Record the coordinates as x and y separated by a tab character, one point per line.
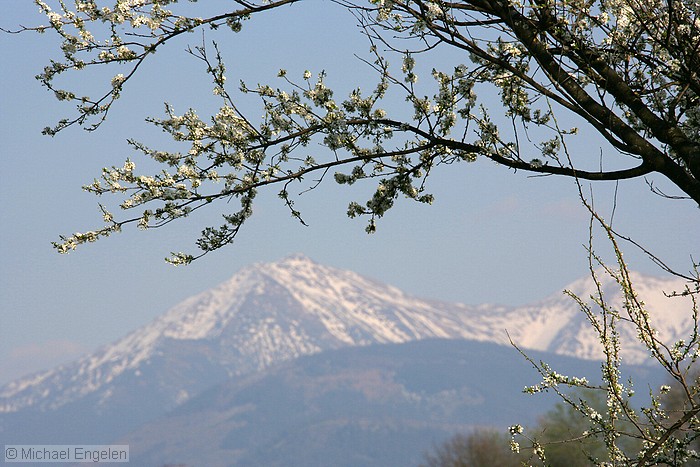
491	236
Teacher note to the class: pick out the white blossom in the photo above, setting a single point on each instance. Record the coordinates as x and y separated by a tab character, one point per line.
118	80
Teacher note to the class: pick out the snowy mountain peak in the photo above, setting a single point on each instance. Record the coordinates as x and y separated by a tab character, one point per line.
264	314
295	260
296	264
558	324
586	287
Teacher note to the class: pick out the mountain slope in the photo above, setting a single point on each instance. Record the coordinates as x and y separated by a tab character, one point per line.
375	406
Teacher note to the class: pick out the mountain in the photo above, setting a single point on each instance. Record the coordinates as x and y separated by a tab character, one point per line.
264	314
558	325
276	312
374	406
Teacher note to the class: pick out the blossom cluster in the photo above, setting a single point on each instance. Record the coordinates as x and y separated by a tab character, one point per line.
229	155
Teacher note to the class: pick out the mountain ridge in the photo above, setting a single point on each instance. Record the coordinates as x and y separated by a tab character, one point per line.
271	312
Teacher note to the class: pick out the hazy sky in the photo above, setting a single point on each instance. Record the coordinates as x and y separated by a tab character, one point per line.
491	236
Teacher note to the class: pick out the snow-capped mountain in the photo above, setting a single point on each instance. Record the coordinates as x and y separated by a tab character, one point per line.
269	313
557	324
264	314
